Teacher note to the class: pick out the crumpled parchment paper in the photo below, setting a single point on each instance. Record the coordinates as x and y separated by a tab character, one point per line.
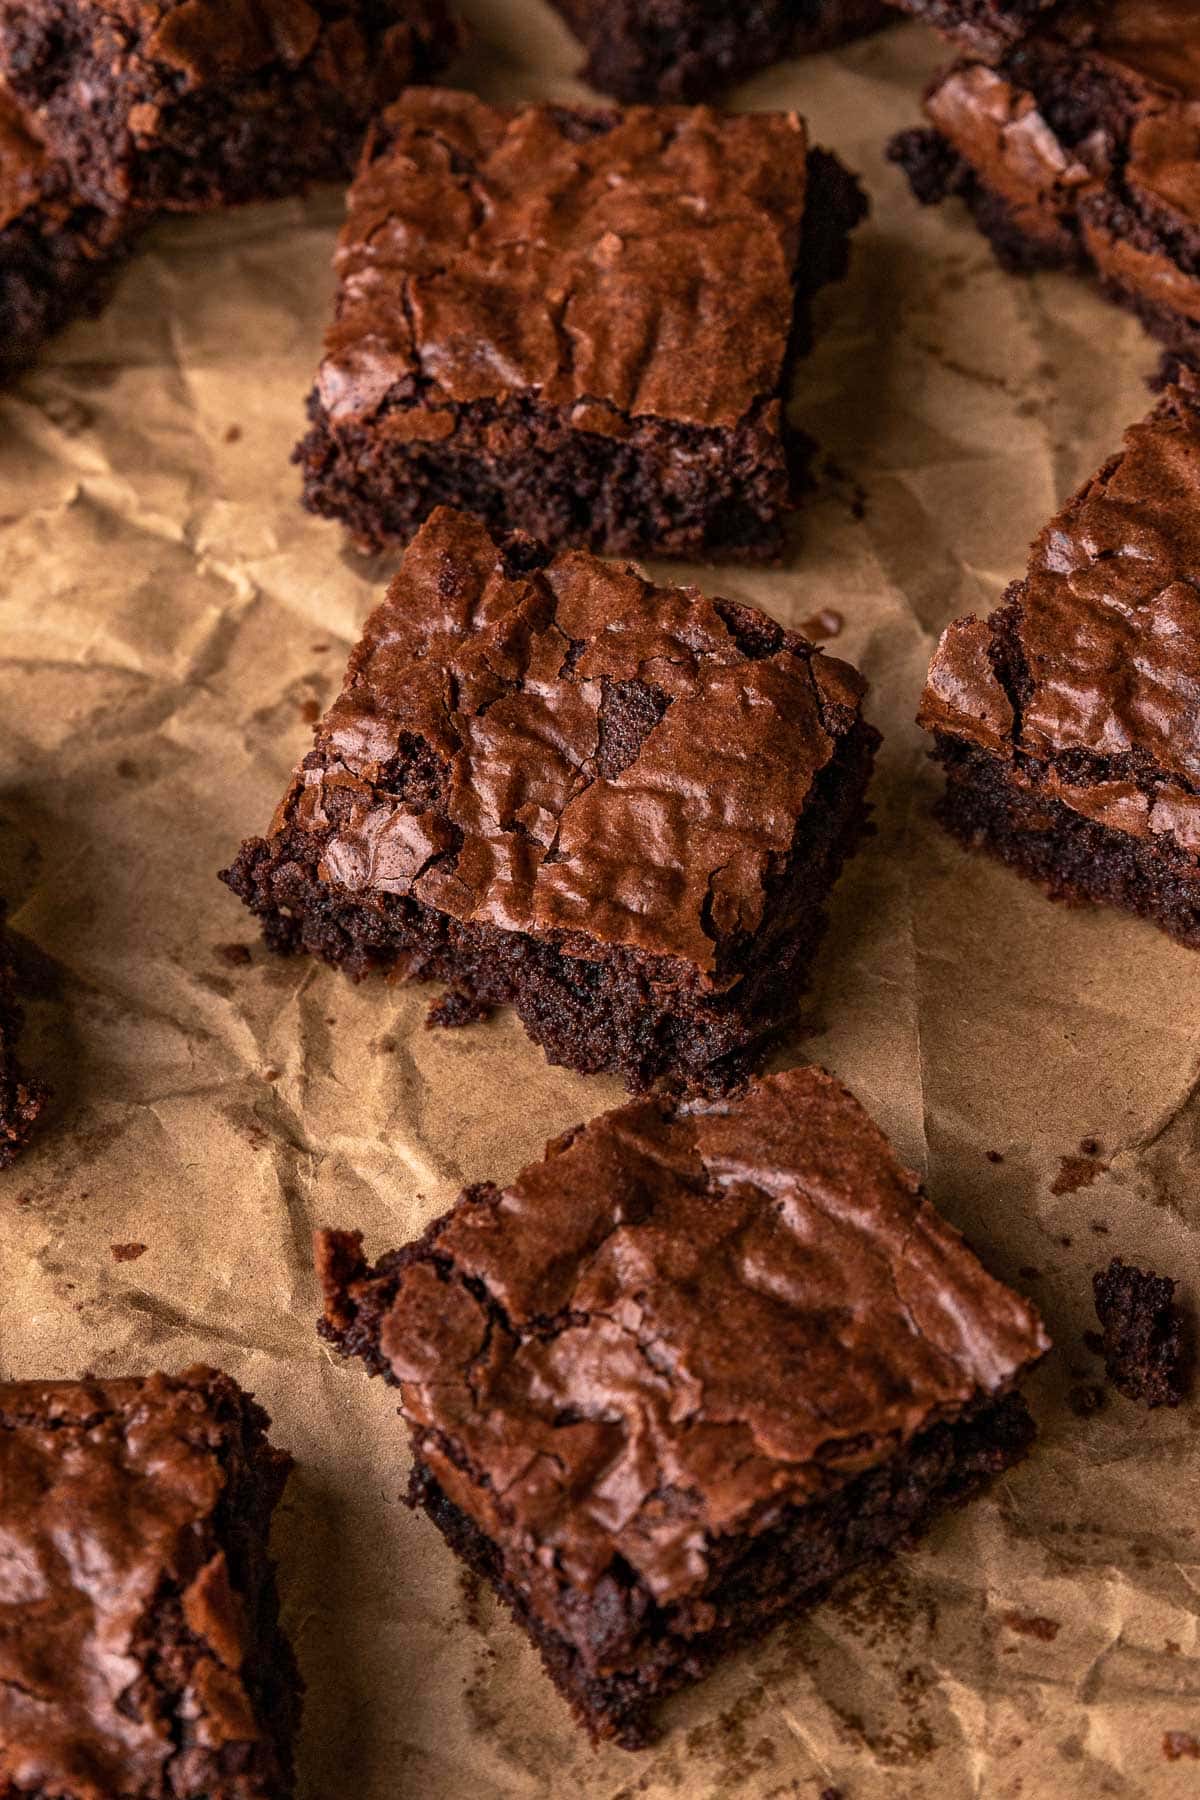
172	622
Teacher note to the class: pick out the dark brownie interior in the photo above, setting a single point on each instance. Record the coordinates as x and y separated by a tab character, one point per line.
595	1427
1065	721
617	807
168	1483
540	334
22	1100
687	50
1146	1343
162	103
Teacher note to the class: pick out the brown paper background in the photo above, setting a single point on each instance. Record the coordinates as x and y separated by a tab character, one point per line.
168	612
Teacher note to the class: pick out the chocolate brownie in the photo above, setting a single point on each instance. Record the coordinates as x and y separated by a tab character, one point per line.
186	104
22	1100
140	1651
1081	147
550	784
685	50
684	1373
1066	722
1145	1344
577	324
987	26
55	250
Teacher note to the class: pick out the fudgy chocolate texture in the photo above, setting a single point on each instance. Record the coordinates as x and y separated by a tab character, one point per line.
687	50
684	1371
1146	1352
1082	147
576	324
140	1653
1066	720
22	1100
187	104
617	806
55	251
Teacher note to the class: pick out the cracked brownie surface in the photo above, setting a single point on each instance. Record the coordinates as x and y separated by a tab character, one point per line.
684	1347
140	1653
186	104
1067	720
574	323
1081	146
551	782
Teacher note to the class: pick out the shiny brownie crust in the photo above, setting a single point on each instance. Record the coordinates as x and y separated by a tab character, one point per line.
167	1484
160	104
687	50
631	400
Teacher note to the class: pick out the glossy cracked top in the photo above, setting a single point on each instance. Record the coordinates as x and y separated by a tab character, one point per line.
581	1355
611	263
610	758
1105	630
107	1498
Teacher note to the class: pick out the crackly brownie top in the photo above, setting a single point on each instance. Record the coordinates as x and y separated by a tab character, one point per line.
566	748
678	1321
611	263
118	1621
1093	664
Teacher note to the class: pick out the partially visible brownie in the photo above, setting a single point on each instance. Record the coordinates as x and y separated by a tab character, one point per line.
684	1373
580	324
551	784
186	104
1066	722
22	1100
1081	147
986	26
56	251
1145	1345
140	1651
687	50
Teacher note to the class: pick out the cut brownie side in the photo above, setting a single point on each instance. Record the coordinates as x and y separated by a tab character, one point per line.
1082	147
22	1100
140	1650
173	104
1066	721
684	1373
56	252
616	807
577	324
687	50
1146	1351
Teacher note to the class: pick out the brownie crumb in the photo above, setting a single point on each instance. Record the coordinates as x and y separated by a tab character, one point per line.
310	711
1033	1625
236	955
1075	1172
1085	1399
1178	1744
827	623
233	434
994	1156
454	1009
1144	1340
128	1252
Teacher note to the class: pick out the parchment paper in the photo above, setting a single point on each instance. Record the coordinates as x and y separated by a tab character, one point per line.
172	620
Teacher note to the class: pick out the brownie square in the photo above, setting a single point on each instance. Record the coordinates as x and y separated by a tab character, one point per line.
684	1373
56	251
686	50
188	104
577	324
140	1652
22	1100
1066	721
552	785
1081	147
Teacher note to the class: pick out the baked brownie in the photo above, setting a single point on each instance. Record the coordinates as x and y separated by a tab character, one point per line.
988	26
55	250
22	1101
577	324
1066	722
1145	1348
684	1373
140	1652
1081	147
685	50
550	784
186	104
